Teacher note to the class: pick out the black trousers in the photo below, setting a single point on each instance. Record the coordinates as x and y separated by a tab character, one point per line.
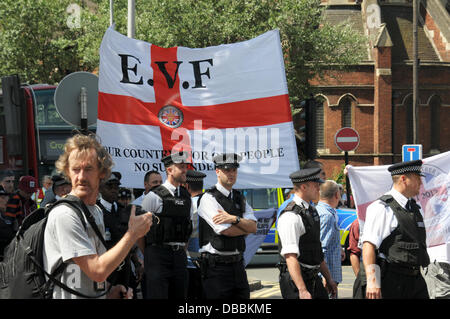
398	285
194	289
165	272
225	281
313	284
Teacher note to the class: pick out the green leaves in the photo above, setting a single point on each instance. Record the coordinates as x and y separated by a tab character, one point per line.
38	43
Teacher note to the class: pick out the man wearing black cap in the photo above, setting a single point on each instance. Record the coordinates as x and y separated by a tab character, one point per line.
299	242
194	185
60	187
394	226
225	220
165	244
116	225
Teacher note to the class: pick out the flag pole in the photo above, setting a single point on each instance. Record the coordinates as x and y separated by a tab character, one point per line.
111	13
131	18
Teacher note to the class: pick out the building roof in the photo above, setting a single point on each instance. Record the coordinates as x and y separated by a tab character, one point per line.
399	23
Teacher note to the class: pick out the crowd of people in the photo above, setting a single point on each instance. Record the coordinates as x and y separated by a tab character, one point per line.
178	241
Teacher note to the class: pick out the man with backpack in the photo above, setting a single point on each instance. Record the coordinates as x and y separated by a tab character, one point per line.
86	163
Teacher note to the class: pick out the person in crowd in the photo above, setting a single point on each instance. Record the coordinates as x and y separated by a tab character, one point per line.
124	198
86	163
60	187
39	195
394	227
165	244
225	220
309	164
152	179
116	219
20	204
329	229
301	256
354	247
6	229
7	179
194	185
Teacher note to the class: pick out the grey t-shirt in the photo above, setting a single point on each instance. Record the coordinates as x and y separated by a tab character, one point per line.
65	238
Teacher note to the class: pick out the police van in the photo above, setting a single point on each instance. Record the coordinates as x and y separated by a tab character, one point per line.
266	198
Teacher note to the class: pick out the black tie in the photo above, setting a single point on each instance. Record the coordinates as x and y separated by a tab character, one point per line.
411	205
229	196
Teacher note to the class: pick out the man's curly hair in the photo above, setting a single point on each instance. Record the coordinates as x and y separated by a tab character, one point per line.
83	143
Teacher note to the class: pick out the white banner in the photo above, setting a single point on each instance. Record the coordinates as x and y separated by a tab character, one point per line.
253	241
369	183
226	98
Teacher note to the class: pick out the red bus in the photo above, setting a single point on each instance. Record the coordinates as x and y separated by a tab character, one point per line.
32	133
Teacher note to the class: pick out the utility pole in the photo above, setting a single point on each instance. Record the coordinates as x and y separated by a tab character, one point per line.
415	73
131	19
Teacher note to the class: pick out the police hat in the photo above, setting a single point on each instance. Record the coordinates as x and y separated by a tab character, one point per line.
176	158
406	167
227	160
58	180
124	193
194	176
114	178
306	175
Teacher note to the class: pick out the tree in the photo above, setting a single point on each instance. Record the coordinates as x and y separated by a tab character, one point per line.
39	44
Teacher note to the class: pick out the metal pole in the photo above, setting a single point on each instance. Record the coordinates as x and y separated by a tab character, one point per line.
83	109
347	181
111	13
131	19
415	73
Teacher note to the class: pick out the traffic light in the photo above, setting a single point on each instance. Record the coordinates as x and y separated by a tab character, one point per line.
309	129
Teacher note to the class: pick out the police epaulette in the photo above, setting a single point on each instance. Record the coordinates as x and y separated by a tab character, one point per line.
386	199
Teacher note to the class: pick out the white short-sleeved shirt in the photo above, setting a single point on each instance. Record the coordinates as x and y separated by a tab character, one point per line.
153	203
290	229
65	238
208	209
380	219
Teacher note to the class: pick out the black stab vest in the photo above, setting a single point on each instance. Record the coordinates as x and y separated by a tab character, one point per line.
236	207
116	224
406	245
309	245
175	218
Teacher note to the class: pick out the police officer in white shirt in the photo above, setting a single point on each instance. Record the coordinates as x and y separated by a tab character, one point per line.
394	227
164	245
225	219
301	256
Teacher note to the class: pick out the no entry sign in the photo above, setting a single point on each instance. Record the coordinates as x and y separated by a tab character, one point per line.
346	139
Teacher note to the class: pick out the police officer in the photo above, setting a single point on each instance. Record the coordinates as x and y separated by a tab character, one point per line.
165	244
194	185
116	225
301	256
60	187
394	226
225	220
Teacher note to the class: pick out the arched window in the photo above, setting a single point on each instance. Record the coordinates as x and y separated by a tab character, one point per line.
345	105
320	122
435	119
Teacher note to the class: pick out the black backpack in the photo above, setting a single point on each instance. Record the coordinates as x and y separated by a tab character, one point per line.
22	274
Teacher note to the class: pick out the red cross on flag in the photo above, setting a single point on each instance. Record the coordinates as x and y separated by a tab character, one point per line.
229	98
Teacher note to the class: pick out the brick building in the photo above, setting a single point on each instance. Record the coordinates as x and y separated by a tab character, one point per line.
375	97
